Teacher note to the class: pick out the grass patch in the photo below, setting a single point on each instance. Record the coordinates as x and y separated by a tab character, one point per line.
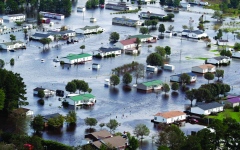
188	58
217	55
227	113
201	58
213	51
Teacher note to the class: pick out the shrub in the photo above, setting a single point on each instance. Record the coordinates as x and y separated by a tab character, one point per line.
236	109
41	102
227	106
62	62
65	104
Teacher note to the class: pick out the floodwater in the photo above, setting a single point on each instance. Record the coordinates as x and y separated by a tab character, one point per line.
112	102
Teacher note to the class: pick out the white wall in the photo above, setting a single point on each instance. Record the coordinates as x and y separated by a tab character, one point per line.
169	120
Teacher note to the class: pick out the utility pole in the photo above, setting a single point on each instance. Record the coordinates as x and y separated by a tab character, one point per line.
180	55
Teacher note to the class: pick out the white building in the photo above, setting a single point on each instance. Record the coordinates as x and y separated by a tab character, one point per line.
177	77
12	45
80	99
76	58
14	17
151	68
218	60
126	44
207	108
168	67
185	6
89	30
149	15
38	36
47	92
169	117
81	9
95	66
126	21
236	54
1	21
204	68
102	51
195	34
52	15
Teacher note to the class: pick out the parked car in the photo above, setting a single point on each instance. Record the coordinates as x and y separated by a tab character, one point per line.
192	120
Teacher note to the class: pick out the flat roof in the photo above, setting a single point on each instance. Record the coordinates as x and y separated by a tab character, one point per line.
153	82
81	97
170	114
76	56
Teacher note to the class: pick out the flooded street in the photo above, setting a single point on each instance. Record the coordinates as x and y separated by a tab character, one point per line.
113	101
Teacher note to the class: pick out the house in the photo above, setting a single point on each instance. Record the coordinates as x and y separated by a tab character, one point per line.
168	34
102	51
98	135
95	66
89	30
236	54
65	34
204	68
39	36
185	6
47	92
169	117
13	45
76	58
52	15
233	101
126	22
148	15
207	108
148	1
131	51
142	37
126	44
168	67
14	17
195	34
150	85
81	9
46	20
151	68
80	99
23	112
119	6
218	60
177	77
222	42
1	21
117	142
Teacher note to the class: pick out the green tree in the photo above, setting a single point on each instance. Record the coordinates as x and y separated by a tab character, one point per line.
217	15
166	88
11	7
185	27
160	50
191	95
209	76
12	37
203	95
237	45
175	86
141	130
185	78
139	72
43	41
133	143
114	80
101	2
2	63
114	37
161	28
112	125
163	148
56	122
154	23
90	122
138	42
206	139
170	28
71	118
82	47
127	78
41	94
101	125
176	3
192	143
81	85
219	34
168	50
38	123
147	23
162	2
143	30
11	61
2	99
154	59
219	73
71	87
2	7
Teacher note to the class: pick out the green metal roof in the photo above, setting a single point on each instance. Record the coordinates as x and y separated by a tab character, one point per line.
76	56
12	43
90	27
82	97
153	82
140	36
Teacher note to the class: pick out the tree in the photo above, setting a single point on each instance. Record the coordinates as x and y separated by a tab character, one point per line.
82	47
101	2
168	50
154	23
139	72
2	63
208	42
25	31
143	30
48	41
160	50
191	95
11	7
166	88
90	122
71	117
138	42
176	3
161	28
101	125
141	130
185	27
219	73
217	15
81	85
185	78
206	139
237	45
154	59
209	76
175	86
127	78
114	80
170	28
11	61
133	143
192	143
12	37
2	99
219	34
112	125
38	123
43	41
147	23
56	122
203	95
114	37
41	94
71	87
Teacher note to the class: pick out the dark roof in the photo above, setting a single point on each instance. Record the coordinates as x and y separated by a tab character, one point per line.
101	134
110	49
189	73
60	32
42	35
223	40
221	57
197	32
46	117
38	89
208	106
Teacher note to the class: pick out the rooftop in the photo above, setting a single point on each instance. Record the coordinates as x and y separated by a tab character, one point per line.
77	56
208	106
110	49
140	36
12	43
153	82
101	134
128	41
234	99
81	97
46	117
188	73
116	141
42	35
170	114
90	27
206	66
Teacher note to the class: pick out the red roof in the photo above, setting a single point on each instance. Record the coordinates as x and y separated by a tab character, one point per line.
128	41
170	114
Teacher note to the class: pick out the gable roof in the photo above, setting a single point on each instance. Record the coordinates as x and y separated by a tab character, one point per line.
206	66
128	41
46	117
76	56
124	19
38	89
140	36
81	97
101	134
208	106
42	35
234	100
110	49
153	82
170	114
188	73
116	141
11	43
221	57
90	27
20	111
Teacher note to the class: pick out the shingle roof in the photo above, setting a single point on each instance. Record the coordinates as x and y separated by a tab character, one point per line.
234	100
77	56
81	97
42	35
140	36
124	19
90	27
116	141
153	82
101	134
221	57
12	43
46	117
170	114
128	41
206	66
110	49
208	106
38	89
188	73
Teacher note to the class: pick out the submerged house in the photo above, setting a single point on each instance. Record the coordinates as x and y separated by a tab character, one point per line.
195	34
39	36
150	85
14	17
177	77
47	92
126	44
89	30
119	6
102	51
13	45
126	21
169	117
218	60
148	15
80	99
207	108
142	37
204	68
76	58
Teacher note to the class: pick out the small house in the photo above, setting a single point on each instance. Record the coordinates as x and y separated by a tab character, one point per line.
64	34
233	101
168	34
80	99
185	6
218	60
102	51
1	21
177	77
204	68
89	30
195	34
126	21
126	44
23	112
14	17
117	142
148	15
142	37
207	108
13	45
169	117
150	85
47	92
76	58
222	42
39	36
95	66
131	51
98	135
168	67
81	9
52	15
119	6
236	55
151	68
